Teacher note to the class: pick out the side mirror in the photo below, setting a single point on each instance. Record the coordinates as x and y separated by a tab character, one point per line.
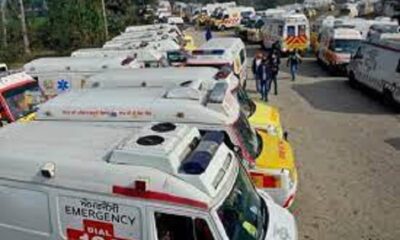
286	136
238	151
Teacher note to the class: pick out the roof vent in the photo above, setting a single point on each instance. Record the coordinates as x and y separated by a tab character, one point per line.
163	127
150	140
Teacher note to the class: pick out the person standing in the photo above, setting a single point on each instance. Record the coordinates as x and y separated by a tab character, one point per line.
274	62
293	62
254	68
264	74
208	33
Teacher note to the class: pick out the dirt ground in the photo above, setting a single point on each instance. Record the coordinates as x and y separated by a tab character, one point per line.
347	147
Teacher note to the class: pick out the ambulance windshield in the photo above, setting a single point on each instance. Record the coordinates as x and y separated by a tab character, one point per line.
243	213
346	46
23	100
246	104
247	136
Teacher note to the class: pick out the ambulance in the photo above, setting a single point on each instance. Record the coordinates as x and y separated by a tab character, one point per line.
60	74
316	28
123	43
259	114
153	27
336	46
376	64
145	55
289	31
158	45
222	52
163	181
20	95
226	19
269	159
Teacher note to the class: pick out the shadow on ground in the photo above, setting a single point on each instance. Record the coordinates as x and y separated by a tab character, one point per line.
336	96
394	142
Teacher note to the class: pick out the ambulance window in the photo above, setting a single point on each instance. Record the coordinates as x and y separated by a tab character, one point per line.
291	31
170	226
302	30
242	56
24	209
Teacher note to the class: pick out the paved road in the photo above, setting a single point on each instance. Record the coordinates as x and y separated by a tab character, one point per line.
348	154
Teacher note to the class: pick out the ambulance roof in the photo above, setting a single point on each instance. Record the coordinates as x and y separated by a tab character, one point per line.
8	80
216	50
140	55
150	77
105	159
180	104
346	33
83	64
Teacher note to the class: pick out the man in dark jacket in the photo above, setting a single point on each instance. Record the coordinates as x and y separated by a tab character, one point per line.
254	68
274	62
264	74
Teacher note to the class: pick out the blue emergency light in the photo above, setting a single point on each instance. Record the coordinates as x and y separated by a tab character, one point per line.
200	158
214	136
208	52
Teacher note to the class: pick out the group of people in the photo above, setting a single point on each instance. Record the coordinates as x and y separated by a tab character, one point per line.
266	68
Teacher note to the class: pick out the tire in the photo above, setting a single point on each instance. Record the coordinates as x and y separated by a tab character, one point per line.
387	98
353	81
222	28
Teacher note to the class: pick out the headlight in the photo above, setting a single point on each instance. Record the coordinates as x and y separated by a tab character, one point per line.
272	130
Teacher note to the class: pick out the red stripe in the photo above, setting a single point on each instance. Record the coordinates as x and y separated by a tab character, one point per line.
164	197
288	201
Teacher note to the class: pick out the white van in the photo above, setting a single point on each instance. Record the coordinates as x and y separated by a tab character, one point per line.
267	157
192	76
290	31
376	64
89	182
60	74
336	44
143	55
159	45
222	52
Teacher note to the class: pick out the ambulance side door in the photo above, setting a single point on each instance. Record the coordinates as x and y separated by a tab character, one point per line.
177	223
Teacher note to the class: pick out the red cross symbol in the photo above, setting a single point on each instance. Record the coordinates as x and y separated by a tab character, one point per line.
93	230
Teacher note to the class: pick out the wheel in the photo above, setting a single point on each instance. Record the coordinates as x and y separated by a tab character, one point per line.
352	81
222	28
387	98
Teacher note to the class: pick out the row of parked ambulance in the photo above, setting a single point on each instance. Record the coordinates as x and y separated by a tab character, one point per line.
367	51
95	151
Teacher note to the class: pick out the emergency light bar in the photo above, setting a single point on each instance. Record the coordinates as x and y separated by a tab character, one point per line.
208	52
200	158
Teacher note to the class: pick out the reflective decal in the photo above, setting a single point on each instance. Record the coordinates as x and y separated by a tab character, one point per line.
86	219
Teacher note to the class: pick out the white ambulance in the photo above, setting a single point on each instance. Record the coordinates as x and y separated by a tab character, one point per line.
159	45
260	115
163	181
222	52
336	45
269	159
376	64
60	74
289	31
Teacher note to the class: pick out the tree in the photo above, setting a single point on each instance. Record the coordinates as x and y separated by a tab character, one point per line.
23	28
4	22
